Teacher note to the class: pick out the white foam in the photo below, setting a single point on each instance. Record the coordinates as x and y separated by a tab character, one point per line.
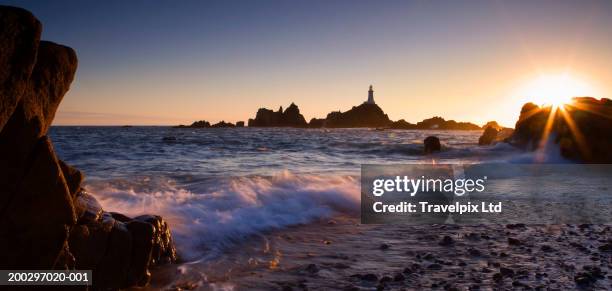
204	223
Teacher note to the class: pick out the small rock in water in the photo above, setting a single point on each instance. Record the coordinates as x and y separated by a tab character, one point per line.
431	144
384	246
446	241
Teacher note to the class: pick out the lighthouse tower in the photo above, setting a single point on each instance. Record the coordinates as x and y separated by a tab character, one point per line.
370	96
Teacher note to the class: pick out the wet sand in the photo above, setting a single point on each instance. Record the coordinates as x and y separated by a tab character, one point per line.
342	254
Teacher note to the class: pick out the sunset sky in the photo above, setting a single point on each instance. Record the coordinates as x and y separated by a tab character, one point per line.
170	62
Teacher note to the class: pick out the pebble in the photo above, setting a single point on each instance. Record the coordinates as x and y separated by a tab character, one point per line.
514	241
446	241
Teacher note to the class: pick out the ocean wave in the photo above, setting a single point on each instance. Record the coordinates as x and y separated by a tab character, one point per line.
206	219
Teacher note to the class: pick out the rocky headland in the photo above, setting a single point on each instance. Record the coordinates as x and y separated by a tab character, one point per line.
47	219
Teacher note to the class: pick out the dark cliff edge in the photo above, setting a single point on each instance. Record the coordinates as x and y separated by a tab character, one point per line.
47	220
582	129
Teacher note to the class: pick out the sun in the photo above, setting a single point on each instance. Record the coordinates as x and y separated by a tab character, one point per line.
555	89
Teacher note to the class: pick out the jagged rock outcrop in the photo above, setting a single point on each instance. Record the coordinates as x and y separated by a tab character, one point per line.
240	124
582	129
47	221
290	117
439	123
364	115
488	136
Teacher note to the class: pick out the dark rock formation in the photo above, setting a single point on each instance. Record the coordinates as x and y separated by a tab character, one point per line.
492	124
403	124
488	136
582	129
439	123
222	123
494	133
364	115
47	221
432	144
316	123
195	124
240	124
291	117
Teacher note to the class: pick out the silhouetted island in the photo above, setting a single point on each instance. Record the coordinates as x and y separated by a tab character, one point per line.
367	114
206	124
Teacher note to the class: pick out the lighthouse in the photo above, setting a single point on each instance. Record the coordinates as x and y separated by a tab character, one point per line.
370	96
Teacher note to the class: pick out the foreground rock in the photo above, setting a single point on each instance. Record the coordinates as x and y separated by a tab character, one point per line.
291	117
583	129
47	221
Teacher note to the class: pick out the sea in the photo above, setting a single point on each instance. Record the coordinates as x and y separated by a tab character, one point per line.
223	189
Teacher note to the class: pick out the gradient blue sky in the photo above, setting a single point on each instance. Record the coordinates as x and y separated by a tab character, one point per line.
170	62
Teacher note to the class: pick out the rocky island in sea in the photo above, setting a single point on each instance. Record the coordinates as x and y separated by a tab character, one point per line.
48	221
366	115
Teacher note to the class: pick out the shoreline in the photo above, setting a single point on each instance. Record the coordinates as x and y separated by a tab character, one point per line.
339	253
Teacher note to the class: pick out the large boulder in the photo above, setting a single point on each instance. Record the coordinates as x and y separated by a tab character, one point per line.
582	129
47	219
19	38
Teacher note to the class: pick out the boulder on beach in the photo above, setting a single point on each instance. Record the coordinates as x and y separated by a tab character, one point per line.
582	129
47	220
290	117
432	145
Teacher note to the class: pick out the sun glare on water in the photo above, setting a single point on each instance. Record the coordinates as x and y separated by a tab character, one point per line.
555	89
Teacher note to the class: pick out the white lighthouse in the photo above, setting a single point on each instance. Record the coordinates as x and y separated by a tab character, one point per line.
370	96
